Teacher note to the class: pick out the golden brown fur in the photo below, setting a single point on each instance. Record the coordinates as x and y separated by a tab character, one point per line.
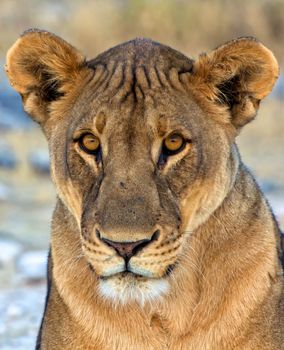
209	276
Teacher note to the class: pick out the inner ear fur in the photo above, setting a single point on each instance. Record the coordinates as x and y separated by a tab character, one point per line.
42	68
238	75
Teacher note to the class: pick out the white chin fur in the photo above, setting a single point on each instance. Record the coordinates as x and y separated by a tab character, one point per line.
126	291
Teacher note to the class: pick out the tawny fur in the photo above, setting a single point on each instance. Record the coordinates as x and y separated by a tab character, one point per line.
215	268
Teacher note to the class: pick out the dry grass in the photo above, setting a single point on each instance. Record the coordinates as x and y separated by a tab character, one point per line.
190	26
262	143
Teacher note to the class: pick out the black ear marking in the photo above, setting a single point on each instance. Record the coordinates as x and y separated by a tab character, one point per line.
229	91
50	89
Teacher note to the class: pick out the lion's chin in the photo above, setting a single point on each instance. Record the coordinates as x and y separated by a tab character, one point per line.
124	288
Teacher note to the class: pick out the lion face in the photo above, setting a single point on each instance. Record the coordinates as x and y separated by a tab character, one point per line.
142	147
135	218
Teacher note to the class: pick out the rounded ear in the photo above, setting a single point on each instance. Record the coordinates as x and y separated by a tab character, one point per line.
238	75
42	68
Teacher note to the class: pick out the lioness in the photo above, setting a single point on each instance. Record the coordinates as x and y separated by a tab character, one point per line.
161	238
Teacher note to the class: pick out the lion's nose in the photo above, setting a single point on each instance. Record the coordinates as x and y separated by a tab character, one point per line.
128	249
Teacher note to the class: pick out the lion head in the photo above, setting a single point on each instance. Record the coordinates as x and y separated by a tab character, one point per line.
142	145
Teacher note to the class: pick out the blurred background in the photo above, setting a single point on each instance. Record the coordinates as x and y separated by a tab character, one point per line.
27	196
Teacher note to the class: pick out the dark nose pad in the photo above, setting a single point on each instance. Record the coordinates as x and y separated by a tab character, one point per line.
128	249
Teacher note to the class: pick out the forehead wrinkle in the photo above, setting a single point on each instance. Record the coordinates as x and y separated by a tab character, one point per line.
134	68
117	79
129	82
111	68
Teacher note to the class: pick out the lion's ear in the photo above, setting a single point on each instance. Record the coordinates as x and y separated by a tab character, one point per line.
238	75
42	68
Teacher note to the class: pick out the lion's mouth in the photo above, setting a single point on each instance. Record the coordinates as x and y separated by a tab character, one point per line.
125	274
128	274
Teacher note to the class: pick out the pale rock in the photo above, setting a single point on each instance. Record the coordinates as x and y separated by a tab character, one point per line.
32	265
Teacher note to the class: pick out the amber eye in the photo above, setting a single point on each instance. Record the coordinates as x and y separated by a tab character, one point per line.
89	143
174	143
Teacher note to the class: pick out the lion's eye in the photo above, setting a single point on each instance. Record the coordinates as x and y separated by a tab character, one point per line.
89	143
173	143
